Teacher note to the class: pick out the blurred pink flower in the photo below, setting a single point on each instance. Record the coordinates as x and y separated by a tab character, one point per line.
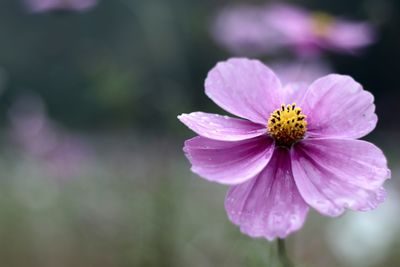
61	154
309	32
263	29
282	159
245	29
59	5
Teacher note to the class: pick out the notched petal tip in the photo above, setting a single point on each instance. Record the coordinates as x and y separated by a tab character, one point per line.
183	117
333	175
337	106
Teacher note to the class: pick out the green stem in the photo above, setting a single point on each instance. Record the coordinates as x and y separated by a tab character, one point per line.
283	257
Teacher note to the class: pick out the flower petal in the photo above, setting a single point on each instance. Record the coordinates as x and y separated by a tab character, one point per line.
351	35
337	106
222	128
228	162
292	22
246	88
334	174
269	205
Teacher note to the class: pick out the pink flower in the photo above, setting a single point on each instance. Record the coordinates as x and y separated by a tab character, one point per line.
310	32
283	158
59	5
264	29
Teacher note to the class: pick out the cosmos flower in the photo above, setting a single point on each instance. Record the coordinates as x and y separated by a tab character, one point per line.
59	5
264	29
309	32
295	147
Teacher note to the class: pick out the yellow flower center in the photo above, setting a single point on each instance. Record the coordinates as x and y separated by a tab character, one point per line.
321	23
287	125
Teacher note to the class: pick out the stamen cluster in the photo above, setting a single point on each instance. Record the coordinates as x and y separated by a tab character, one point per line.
287	125
321	23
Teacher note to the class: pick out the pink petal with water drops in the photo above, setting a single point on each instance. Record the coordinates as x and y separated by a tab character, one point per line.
228	162
338	106
222	128
269	205
246	88
334	174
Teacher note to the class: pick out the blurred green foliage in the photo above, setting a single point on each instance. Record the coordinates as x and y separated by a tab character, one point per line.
138	64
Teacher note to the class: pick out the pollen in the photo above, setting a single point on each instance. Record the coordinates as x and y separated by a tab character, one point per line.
321	23
287	125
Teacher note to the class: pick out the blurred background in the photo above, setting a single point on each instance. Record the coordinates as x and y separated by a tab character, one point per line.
92	168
